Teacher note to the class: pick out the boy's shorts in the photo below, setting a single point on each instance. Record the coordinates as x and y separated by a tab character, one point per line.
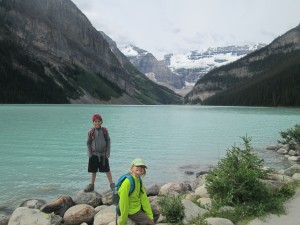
95	165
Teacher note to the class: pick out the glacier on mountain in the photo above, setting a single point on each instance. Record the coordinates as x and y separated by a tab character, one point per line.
192	65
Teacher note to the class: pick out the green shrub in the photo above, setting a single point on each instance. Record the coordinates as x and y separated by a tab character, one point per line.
291	136
235	178
172	208
235	182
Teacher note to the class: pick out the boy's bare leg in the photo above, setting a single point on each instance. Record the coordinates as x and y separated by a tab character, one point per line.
93	178
109	177
111	183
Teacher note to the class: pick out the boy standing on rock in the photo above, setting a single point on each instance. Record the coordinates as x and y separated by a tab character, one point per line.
98	149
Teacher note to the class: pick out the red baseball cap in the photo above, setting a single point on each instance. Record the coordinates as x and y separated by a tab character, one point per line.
96	116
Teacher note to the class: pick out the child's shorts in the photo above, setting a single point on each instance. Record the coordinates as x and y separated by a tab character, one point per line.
95	165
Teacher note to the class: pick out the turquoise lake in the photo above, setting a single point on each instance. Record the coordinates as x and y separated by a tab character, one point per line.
43	147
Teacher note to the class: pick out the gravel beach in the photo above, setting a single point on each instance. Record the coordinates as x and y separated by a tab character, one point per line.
291	218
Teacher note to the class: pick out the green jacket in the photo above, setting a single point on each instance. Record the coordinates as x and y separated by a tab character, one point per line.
131	204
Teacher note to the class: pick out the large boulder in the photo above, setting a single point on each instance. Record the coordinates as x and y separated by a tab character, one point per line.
4	219
91	198
191	211
291	170
282	151
273	184
33	203
59	205
174	188
79	214
24	215
280	177
205	202
107	216
296	176
294	158
218	221
199	181
153	190
107	198
202	191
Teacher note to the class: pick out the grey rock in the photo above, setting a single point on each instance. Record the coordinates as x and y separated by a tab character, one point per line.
59	205
191	211
218	221
24	215
33	203
91	198
79	214
4	219
153	190
291	170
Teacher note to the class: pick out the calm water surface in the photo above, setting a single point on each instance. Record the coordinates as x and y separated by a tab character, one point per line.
43	147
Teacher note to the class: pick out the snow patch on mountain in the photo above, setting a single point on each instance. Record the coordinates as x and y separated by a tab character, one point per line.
151	76
208	61
130	52
188	67
210	58
133	51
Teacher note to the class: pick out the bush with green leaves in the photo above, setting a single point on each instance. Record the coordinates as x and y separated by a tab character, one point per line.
235	179
172	208
291	136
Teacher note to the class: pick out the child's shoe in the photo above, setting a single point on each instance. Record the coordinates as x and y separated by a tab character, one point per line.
89	188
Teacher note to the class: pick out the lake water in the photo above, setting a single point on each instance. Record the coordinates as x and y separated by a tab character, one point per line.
43	147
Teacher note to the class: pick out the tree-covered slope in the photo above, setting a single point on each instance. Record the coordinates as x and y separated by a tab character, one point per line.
280	86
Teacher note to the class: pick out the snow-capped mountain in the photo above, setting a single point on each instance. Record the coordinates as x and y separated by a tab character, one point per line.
181	71
267	77
152	68
194	64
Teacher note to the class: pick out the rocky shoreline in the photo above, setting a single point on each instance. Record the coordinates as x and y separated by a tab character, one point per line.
96	208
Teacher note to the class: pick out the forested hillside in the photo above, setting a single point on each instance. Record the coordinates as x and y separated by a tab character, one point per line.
269	76
279	87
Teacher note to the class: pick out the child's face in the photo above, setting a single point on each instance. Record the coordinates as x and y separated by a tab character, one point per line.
138	171
97	123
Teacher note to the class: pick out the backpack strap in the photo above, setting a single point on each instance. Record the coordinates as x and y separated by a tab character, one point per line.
130	178
91	133
132	184
105	136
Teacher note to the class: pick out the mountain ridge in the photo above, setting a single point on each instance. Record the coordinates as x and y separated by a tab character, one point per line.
266	77
76	58
180	72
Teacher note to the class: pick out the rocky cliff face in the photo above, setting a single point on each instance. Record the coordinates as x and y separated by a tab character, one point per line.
180	72
65	53
58	32
225	77
152	68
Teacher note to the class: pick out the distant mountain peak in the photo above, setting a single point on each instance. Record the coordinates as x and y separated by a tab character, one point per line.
53	54
133	51
181	71
196	63
267	77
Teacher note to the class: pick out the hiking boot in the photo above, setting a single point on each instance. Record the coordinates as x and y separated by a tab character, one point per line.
89	188
112	186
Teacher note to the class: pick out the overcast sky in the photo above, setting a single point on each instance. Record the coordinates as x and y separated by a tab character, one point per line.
180	26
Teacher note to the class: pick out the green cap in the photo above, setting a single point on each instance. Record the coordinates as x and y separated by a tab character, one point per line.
138	162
